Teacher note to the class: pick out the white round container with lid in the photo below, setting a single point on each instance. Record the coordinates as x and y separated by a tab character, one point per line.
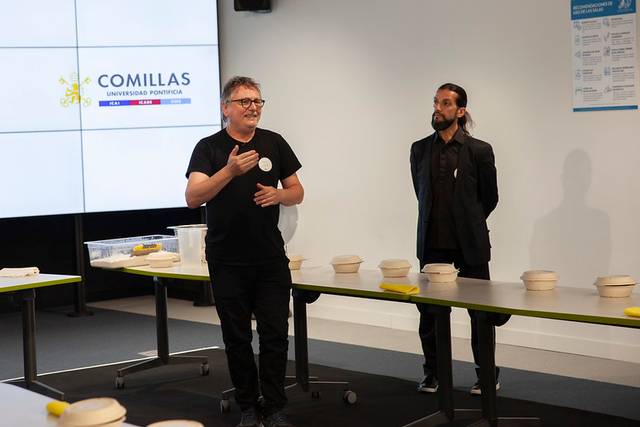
394	267
440	272
176	423
616	286
539	280
346	263
295	261
100	411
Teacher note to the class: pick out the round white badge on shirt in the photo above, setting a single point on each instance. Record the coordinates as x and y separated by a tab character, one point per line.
265	164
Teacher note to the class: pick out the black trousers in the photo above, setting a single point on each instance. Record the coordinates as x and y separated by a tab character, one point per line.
264	291
427	328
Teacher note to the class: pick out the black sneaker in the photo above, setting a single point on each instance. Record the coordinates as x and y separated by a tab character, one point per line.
477	391
429	384
249	418
277	419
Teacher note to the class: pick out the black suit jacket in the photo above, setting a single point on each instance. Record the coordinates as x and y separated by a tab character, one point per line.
475	195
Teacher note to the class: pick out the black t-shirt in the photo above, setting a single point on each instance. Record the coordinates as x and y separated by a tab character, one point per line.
239	231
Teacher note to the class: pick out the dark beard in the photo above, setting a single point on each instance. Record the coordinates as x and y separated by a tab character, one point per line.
438	126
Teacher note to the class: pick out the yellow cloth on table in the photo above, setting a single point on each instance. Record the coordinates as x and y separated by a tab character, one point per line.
632	311
400	288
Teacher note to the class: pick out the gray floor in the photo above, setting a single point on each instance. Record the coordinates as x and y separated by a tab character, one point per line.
106	337
111	336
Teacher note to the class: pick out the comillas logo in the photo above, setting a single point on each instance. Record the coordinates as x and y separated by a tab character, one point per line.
74	90
129	89
140	80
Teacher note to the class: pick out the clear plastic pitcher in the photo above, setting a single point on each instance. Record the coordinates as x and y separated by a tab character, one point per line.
191	244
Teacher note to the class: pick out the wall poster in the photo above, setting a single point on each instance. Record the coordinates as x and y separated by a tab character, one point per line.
604	53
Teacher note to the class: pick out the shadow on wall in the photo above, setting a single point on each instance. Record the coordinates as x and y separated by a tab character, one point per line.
573	239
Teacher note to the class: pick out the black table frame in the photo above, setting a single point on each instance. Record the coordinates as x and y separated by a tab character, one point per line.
300	300
446	410
162	338
31	382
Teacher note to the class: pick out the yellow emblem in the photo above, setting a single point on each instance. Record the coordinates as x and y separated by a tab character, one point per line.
74	94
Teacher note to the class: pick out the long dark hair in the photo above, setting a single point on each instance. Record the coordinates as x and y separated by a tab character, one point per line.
465	122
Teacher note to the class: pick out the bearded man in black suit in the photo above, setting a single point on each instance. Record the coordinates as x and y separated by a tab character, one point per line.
454	178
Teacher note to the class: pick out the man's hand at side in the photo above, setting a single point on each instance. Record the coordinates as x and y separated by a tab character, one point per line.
290	194
267	196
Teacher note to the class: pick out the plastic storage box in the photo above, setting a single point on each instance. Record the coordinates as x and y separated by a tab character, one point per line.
102	253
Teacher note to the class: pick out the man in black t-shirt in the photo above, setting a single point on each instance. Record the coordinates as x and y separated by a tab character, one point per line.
236	173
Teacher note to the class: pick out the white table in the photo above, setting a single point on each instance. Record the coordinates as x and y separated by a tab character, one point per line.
26	286
20	407
562	303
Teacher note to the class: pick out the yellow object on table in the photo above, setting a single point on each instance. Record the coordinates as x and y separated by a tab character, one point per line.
400	288
146	249
632	311
57	407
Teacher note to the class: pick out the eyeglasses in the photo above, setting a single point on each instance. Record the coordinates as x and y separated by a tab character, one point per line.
246	102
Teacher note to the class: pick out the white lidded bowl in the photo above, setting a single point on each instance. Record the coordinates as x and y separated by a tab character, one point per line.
617	280
618	291
100	411
116	423
176	423
346	263
394	267
295	261
161	259
440	272
539	280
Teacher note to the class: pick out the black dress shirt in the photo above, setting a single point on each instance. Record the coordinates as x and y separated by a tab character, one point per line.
441	233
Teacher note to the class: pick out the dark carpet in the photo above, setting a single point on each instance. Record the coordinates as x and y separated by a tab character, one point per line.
178	391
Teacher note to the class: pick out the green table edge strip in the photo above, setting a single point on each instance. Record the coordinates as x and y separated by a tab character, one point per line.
317	288
167	275
54	282
382	295
622	321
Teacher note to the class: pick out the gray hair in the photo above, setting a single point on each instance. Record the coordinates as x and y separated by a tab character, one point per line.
235	82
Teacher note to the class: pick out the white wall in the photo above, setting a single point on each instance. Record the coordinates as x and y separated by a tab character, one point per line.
350	83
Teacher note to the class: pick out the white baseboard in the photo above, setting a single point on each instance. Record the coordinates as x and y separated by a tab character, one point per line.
523	332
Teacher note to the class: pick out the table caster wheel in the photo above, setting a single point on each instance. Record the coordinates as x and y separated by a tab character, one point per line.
350	397
119	383
225	406
204	369
315	394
